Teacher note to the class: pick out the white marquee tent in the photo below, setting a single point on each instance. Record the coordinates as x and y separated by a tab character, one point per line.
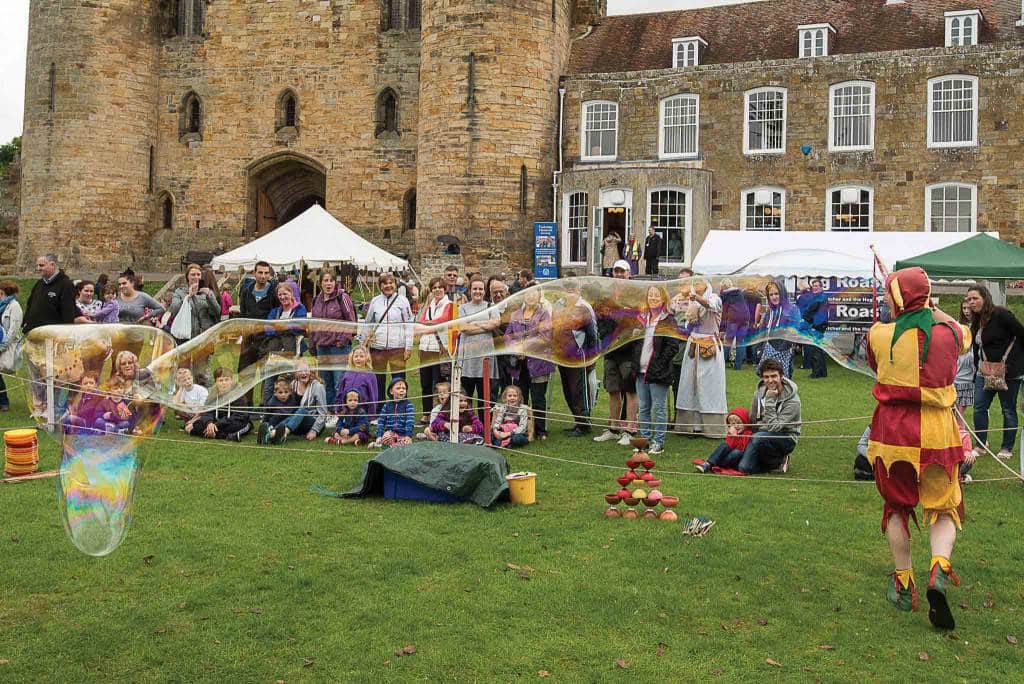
313	238
812	253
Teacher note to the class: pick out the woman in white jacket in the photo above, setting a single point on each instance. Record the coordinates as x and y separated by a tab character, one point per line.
11	317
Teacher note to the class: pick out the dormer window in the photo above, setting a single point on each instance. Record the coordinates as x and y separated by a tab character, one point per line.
962	28
686	52
815	39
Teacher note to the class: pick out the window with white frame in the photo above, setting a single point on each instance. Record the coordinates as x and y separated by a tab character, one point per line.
763	209
686	51
764	125
851	120
951	208
953	111
849	208
814	39
679	125
600	130
962	28
669	215
576	218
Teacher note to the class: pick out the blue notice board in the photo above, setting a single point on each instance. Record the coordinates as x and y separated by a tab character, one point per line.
545	250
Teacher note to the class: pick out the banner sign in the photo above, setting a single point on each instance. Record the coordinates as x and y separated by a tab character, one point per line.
545	250
851	304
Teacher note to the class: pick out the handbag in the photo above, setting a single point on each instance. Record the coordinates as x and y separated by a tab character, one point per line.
181	326
993	373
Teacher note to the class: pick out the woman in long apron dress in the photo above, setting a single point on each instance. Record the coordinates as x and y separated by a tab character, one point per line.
700	402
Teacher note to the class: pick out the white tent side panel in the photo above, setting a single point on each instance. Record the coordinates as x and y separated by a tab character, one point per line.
314	237
811	253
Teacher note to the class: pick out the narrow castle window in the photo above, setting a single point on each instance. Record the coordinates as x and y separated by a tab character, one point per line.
522	189
471	79
553	8
53	86
415	13
152	166
391	15
409	210
387	112
190	18
287	110
198	17
181	28
195	116
167	212
190	126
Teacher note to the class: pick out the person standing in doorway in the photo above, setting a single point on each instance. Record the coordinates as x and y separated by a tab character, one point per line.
652	252
611	251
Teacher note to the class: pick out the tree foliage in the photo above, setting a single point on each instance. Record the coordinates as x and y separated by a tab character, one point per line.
8	154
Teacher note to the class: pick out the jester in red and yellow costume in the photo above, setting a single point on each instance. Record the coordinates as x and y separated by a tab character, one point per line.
915	444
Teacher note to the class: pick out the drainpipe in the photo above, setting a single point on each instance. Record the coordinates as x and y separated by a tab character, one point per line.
558	172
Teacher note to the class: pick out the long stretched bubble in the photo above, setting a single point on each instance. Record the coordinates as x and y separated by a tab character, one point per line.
568	322
105	387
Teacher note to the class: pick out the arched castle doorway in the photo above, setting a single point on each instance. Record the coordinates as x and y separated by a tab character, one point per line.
282	186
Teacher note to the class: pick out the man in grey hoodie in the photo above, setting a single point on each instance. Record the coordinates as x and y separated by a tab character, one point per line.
775	418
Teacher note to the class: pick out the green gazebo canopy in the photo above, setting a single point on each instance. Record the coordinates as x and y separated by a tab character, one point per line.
981	257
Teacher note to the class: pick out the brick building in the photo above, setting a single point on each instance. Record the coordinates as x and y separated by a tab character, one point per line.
153	127
794	115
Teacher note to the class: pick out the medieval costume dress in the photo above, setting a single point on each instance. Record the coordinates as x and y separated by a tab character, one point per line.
701	401
915	445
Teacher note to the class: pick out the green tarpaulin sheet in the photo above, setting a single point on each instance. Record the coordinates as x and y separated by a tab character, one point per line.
981	257
472	473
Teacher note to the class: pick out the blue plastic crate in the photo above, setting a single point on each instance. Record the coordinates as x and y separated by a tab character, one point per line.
398	487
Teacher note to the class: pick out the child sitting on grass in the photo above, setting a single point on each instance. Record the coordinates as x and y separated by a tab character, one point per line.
442	397
189	393
471	429
397	417
86	408
227	422
121	411
511	420
353	424
729	452
278	408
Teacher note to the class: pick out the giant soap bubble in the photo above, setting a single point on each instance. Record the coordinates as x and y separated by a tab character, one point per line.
103	388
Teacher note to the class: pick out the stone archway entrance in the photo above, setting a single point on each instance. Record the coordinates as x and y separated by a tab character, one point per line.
282	186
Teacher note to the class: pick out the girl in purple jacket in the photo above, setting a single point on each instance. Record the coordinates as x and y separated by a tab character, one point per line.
359	377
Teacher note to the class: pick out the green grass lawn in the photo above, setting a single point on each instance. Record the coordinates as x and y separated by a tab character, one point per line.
234	571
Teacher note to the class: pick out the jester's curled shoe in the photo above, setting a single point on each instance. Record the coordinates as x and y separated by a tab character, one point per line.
941	577
902	591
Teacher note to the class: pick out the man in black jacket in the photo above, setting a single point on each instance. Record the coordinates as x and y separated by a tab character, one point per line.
256	301
652	252
52	301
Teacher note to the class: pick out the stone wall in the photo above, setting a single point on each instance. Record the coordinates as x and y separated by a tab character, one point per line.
90	106
488	113
899	167
333	56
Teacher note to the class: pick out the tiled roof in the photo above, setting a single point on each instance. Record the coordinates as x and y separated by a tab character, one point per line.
768	30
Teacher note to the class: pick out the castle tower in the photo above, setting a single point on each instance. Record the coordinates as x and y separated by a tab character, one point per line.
488	121
90	126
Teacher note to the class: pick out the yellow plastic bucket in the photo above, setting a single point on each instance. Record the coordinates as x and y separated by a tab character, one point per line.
522	487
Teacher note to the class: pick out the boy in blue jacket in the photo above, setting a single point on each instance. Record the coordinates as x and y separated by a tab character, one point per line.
396	420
